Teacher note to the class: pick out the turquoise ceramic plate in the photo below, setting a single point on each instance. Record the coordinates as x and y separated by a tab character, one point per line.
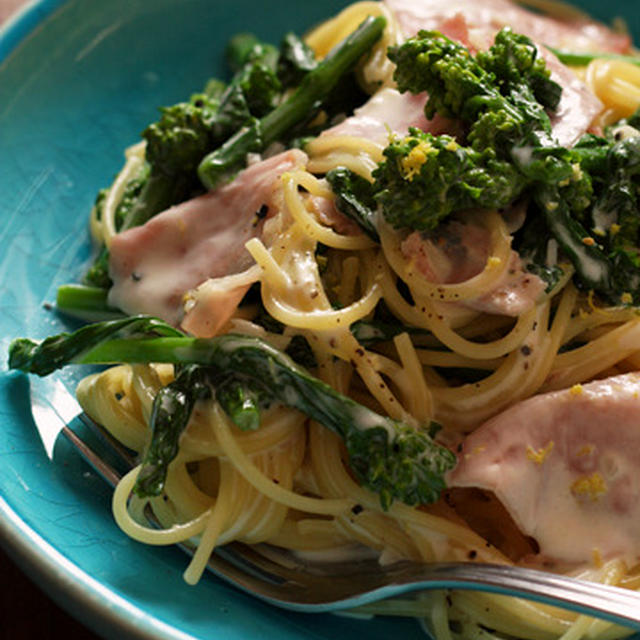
78	82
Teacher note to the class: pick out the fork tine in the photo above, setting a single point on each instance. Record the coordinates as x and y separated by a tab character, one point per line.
126	455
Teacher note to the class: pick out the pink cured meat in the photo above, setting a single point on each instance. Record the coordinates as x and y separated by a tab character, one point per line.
578	106
153	266
389	111
475	25
459	251
485	17
565	466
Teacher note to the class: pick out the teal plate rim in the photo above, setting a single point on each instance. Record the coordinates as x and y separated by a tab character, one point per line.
20	24
64	581
69	585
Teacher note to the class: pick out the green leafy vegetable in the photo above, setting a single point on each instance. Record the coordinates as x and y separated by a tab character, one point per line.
355	198
221	165
532	242
424	178
387	456
170	414
296	60
502	97
502	94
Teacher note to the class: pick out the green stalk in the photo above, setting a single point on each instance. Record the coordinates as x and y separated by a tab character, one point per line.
85	303
222	164
245	356
573	59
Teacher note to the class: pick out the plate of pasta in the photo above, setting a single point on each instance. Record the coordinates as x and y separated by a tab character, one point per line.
348	279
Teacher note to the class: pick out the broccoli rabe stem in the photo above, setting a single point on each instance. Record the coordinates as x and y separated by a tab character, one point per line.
387	456
574	59
222	164
170	413
85	302
241	400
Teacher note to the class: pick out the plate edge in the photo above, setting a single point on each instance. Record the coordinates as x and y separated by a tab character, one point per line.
22	22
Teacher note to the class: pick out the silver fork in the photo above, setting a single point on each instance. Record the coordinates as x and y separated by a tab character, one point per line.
283	579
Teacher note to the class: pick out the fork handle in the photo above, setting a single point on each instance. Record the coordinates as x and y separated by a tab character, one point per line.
615	604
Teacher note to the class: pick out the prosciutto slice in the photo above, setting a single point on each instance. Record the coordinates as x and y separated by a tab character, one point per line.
389	112
154	266
475	25
485	17
458	251
578	106
565	465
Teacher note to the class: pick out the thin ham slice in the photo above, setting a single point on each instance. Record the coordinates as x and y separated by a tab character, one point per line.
210	305
565	465
475	25
485	17
458	251
578	106
389	112
154	266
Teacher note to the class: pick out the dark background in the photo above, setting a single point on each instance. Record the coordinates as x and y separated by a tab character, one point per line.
26	613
